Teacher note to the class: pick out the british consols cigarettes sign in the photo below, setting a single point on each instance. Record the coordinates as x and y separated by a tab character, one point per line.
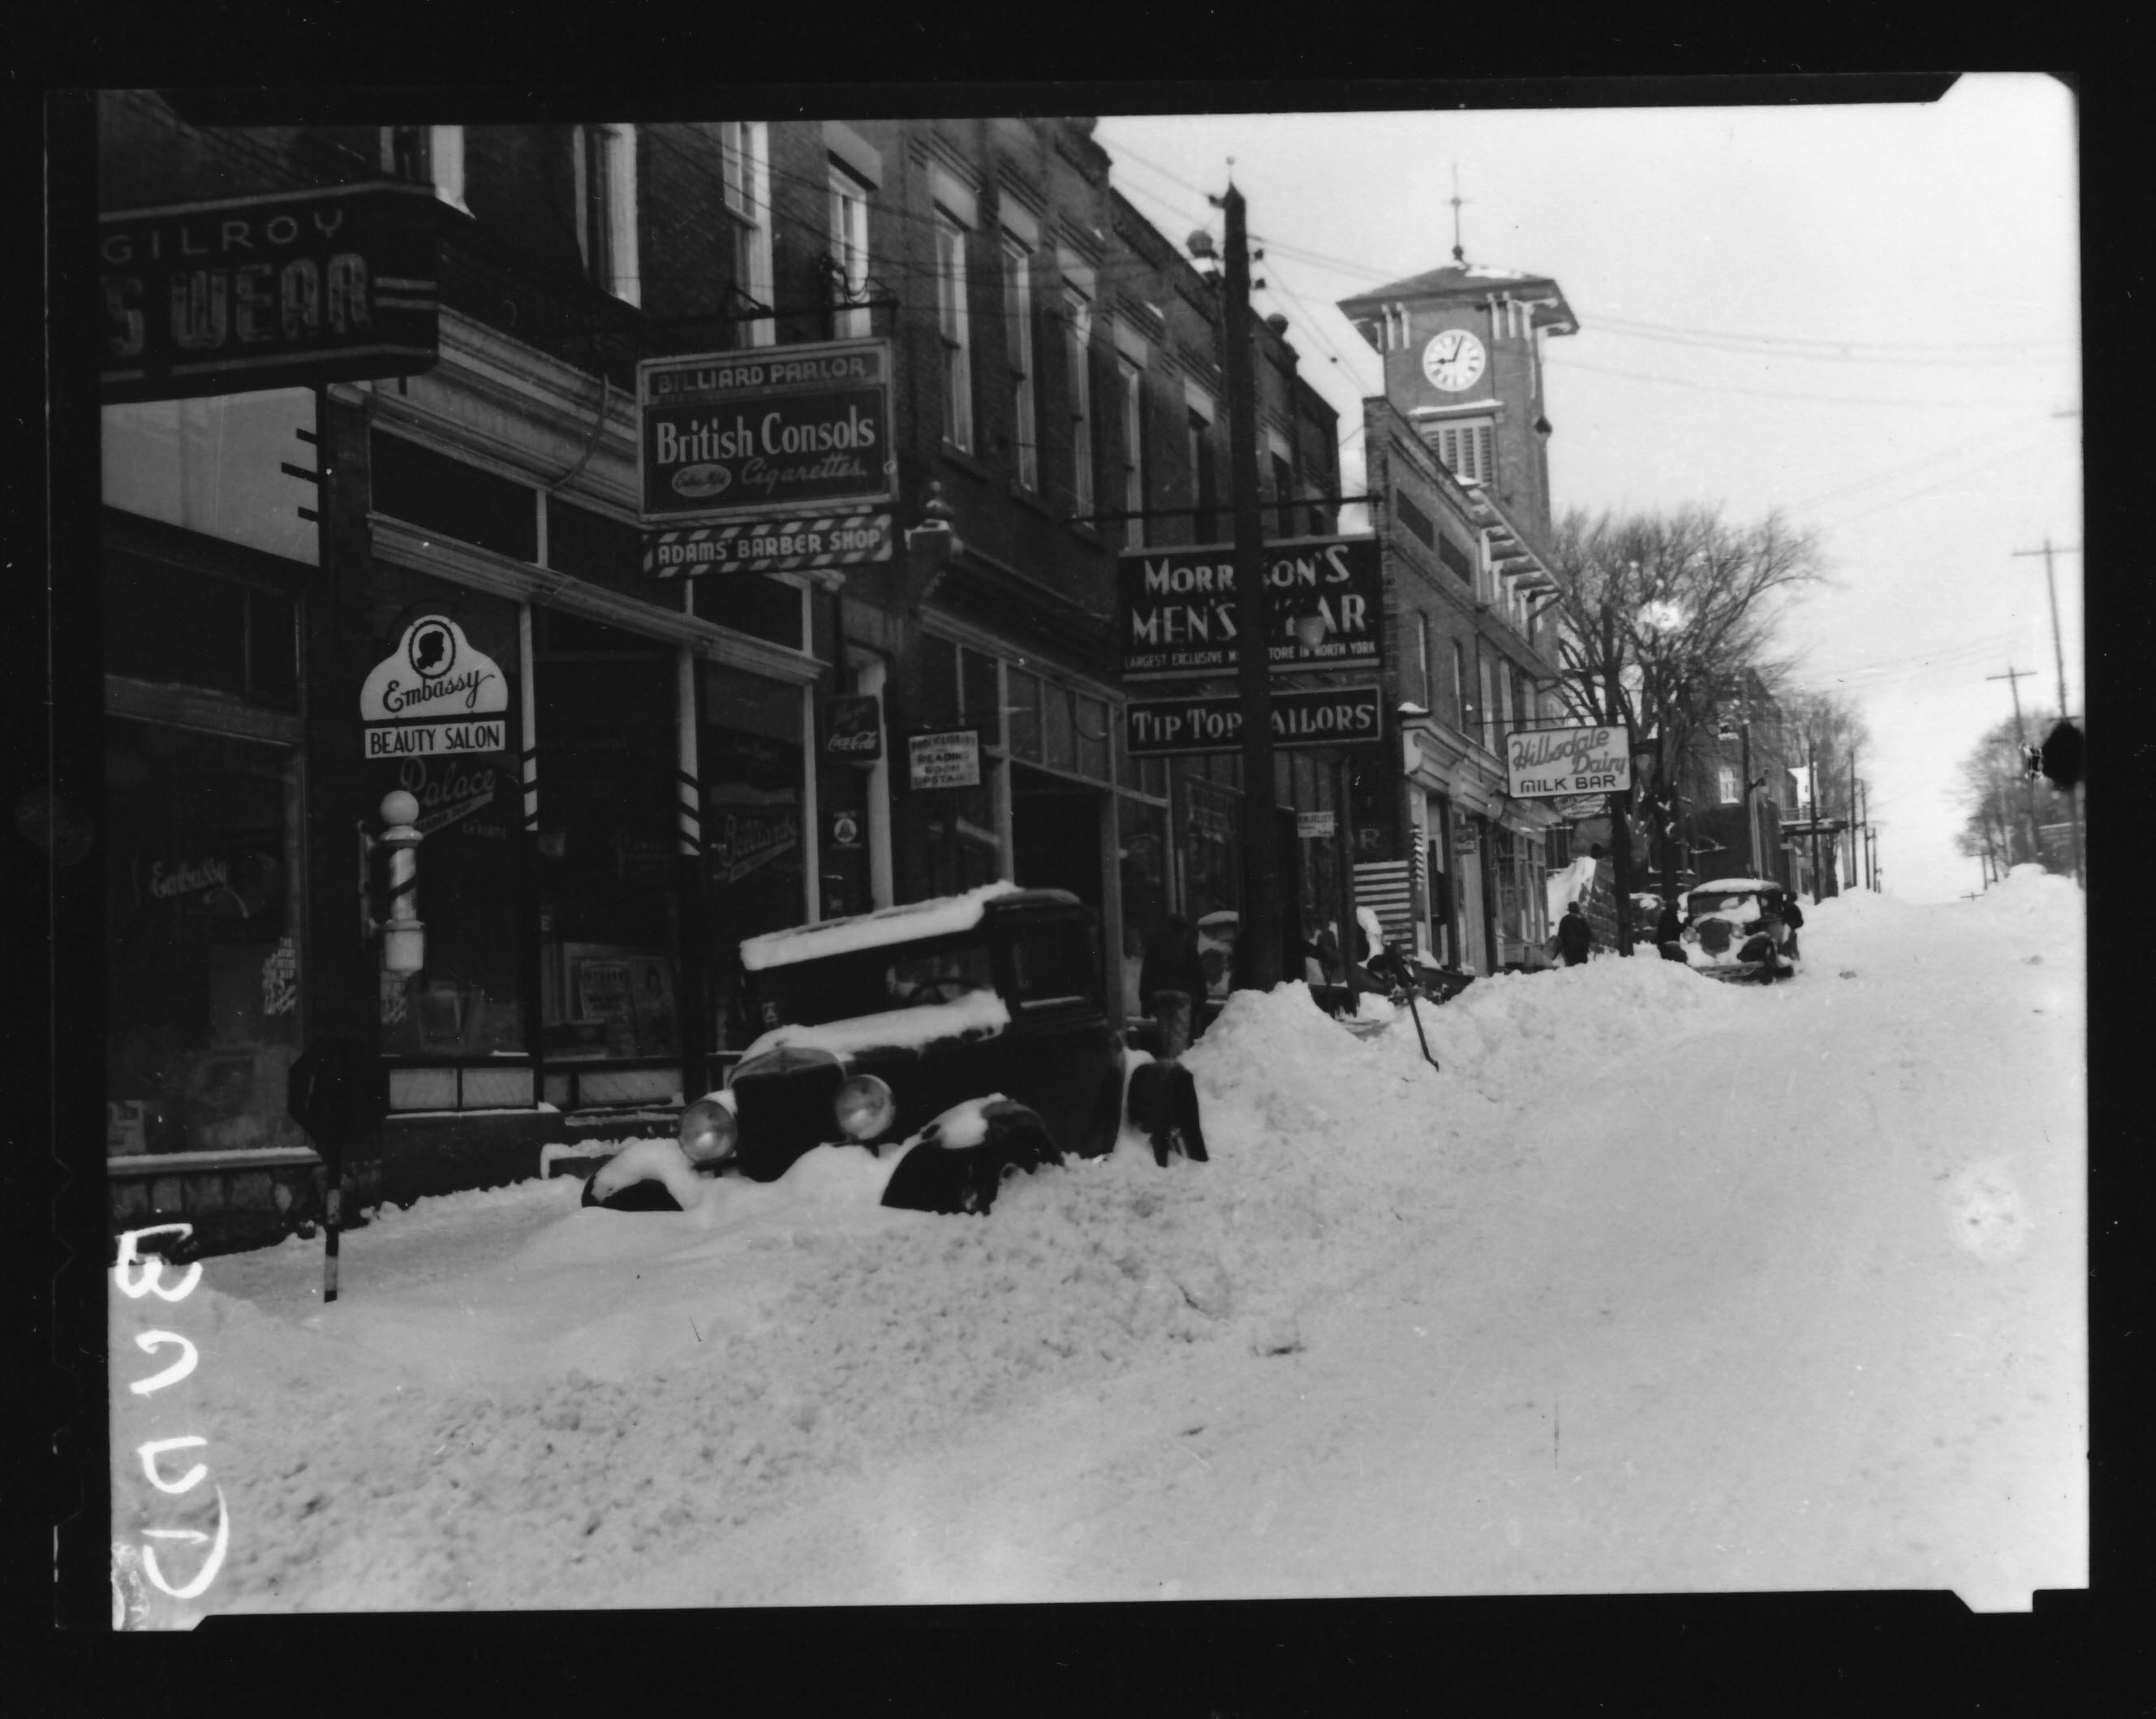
1541	764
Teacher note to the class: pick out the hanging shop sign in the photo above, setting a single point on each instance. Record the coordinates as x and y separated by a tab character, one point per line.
769	544
946	761
853	728
1175	609
1466	835
727	435
845	832
1333	717
331	285
1310	825
433	695
1541	764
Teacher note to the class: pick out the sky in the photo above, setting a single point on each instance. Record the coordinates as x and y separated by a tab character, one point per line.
1866	317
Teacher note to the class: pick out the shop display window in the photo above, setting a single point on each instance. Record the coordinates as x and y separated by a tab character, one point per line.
1142	842
236	467
201	963
468	1000
607	871
751	757
454	498
168	623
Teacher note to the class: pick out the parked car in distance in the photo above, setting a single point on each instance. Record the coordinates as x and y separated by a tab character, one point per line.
1725	920
877	1025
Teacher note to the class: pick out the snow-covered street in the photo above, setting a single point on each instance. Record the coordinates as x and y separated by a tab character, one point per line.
1660	1285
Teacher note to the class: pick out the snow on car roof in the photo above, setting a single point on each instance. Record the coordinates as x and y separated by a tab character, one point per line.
905	923
977	1013
1736	883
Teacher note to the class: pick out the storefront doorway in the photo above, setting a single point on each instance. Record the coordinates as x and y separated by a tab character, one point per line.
1055	834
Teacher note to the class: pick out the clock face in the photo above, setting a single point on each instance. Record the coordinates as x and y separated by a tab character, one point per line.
1453	360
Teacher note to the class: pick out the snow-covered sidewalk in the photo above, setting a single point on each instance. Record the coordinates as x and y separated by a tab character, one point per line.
1660	1285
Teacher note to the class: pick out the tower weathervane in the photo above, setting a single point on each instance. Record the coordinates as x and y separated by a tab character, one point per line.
1459	255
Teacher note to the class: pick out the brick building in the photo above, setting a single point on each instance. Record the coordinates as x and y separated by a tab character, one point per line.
665	784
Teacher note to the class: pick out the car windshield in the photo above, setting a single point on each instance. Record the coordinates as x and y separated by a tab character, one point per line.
869	981
1718	901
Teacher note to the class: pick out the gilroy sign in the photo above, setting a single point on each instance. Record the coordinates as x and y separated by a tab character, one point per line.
1541	764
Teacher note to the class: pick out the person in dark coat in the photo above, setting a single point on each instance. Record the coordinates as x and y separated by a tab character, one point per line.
1669	933
1574	936
1793	916
1171	980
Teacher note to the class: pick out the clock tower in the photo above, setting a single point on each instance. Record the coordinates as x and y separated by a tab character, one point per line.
1462	346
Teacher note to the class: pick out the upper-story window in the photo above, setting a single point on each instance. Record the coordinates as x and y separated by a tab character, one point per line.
1488	711
1727	791
606	209
953	325
745	155
850	252
1077	350
428	155
1204	494
1132	383
1422	661
1466	449
1017	343
1279	468
1460	701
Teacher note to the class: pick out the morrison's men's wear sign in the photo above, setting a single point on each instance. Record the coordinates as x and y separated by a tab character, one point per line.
1176	608
764	430
433	695
1541	764
259	292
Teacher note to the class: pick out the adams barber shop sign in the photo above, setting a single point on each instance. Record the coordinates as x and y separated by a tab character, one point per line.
331	285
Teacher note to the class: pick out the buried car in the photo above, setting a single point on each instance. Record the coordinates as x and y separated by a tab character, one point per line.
964	1036
1735	930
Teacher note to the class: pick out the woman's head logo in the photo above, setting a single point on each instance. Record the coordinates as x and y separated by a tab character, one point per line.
433	648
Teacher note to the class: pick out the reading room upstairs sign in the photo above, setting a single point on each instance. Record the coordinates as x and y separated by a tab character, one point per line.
258	292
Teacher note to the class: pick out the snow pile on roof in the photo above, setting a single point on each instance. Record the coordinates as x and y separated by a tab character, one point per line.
940	918
977	1014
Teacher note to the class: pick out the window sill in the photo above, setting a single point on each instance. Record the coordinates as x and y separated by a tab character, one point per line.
956	456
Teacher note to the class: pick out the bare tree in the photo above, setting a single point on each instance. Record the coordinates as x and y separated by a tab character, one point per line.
2006	810
1662	616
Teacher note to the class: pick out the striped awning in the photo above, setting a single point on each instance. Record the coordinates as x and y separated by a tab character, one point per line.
1387	889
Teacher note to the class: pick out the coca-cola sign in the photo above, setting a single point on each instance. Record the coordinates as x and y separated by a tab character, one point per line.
853	728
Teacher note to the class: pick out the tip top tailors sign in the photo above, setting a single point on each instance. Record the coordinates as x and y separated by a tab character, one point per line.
766	429
433	695
256	292
1344	716
768	544
1541	764
1176	608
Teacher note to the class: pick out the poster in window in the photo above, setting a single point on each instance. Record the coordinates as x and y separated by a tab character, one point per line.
602	990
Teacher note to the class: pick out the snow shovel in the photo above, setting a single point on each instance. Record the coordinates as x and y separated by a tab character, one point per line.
1420	1034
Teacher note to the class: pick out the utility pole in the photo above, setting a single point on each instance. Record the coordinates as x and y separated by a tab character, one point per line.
1852	818
2059	653
2013	679
1812	793
1620	828
1257	964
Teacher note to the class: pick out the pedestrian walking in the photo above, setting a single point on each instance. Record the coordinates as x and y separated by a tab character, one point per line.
1793	917
1172	979
1669	933
1574	936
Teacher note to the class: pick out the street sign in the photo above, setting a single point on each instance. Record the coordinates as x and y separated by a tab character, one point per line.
733	435
1543	763
1347	715
769	544
1175	609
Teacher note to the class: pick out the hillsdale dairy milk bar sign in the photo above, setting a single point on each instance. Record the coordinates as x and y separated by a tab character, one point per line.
257	292
766	460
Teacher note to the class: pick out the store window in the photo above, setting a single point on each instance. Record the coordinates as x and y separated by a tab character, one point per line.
947	840
608	882
201	963
468	1002
238	467
750	755
1207	814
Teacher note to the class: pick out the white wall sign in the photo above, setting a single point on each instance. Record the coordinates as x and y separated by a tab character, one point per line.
1543	762
949	760
433	695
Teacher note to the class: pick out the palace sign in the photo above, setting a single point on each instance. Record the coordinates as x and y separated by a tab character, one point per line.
1344	716
726	436
259	292
1541	763
433	695
1175	609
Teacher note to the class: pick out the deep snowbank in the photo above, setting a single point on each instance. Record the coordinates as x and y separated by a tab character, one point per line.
518	1403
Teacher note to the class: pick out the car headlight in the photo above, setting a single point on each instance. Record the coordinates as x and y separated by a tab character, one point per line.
714	1138
864	1108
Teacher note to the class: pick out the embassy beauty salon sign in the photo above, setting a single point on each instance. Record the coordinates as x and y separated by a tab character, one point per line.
726	434
434	694
1543	762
